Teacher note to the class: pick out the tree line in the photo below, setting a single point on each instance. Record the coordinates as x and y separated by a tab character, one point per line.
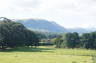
74	40
13	34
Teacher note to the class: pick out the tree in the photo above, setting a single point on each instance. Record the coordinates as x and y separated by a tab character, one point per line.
86	40
76	40
32	38
72	40
58	41
69	40
93	40
13	34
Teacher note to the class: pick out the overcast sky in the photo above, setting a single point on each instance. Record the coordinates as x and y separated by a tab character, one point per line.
68	13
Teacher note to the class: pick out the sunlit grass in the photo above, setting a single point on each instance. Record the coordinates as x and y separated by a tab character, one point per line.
46	55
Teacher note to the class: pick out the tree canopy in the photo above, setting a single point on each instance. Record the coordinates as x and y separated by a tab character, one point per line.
74	40
13	34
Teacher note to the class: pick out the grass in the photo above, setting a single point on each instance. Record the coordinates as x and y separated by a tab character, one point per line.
47	55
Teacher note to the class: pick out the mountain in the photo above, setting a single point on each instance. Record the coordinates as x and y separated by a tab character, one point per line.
91	29
42	25
81	30
48	26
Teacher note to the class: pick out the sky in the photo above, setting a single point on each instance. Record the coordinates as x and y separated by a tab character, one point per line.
67	13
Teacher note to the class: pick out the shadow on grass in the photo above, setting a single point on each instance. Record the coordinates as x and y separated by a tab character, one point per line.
27	49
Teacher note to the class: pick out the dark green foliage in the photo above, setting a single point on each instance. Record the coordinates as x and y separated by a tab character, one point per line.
85	40
58	42
13	34
74	40
88	40
69	40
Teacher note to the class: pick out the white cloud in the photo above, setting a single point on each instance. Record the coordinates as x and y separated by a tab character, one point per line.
68	13
26	3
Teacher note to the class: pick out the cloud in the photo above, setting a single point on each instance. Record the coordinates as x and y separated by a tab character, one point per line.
68	13
26	3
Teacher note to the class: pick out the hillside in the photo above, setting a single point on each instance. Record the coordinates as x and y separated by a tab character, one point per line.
49	26
81	30
42	25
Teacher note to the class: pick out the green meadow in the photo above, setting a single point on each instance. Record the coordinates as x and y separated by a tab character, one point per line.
47	55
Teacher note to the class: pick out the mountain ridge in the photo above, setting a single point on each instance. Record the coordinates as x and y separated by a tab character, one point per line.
41	24
50	26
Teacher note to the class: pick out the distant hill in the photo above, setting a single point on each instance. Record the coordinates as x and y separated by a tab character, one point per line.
79	30
48	26
42	25
82	30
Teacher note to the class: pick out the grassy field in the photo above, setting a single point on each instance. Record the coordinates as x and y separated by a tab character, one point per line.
47	55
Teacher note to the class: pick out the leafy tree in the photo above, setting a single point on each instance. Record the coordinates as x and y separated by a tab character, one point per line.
69	40
13	34
93	40
58	41
86	40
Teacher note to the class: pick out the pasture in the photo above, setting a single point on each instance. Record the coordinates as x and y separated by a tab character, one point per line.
47	55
